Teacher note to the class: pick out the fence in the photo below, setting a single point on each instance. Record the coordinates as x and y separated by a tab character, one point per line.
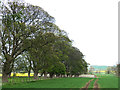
17	79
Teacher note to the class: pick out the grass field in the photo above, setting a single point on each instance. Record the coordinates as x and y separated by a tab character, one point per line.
107	81
104	81
52	83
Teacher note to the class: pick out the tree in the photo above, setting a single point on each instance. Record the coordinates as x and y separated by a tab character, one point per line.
75	65
85	66
44	48
111	69
20	21
57	69
23	63
28	28
91	69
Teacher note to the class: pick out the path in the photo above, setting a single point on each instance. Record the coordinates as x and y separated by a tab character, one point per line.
96	87
87	85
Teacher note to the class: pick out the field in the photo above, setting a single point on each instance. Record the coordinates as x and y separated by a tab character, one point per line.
52	83
108	81
104	81
20	74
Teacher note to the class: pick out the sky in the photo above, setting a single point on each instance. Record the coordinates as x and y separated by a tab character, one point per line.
92	24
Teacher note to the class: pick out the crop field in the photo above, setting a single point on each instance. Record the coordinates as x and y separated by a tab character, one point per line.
104	81
20	74
108	81
52	83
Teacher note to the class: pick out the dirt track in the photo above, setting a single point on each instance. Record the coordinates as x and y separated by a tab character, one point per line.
87	85
96	87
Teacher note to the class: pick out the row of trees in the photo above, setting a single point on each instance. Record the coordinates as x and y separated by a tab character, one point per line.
109	70
31	41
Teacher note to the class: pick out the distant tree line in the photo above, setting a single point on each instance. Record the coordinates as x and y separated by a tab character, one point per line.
30	40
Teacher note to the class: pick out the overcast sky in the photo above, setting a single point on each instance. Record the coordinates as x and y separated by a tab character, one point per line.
92	24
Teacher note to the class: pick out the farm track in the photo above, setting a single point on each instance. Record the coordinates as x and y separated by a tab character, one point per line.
87	85
96	87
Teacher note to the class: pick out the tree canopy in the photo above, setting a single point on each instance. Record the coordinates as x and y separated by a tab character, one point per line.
29	35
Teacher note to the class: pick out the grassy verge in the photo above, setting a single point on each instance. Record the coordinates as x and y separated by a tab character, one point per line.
52	83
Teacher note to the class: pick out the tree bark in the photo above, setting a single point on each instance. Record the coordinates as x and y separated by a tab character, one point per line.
5	72
41	74
67	75
29	73
4	77
9	75
45	74
51	75
36	75
7	67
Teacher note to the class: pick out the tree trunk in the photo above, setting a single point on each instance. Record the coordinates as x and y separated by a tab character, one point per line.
7	68
41	74
67	75
9	75
29	73
5	72
4	77
51	75
36	75
45	74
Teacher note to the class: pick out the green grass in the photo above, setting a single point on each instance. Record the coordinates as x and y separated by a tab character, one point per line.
52	83
108	81
92	83
104	81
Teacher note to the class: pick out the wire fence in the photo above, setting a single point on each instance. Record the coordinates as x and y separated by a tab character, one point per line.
13	80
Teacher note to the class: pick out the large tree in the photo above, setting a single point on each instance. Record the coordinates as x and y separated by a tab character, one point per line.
57	68
20	21
44	48
29	28
75	65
